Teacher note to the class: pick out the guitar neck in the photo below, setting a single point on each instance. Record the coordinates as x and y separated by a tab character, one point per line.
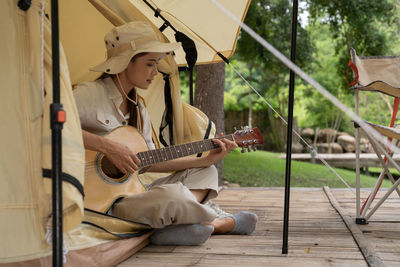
154	156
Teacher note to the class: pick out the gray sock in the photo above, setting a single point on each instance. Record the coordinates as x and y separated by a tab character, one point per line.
245	223
182	235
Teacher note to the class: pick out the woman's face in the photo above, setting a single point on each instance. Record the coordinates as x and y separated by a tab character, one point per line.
142	70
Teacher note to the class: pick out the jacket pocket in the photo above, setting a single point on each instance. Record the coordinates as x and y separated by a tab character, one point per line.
106	121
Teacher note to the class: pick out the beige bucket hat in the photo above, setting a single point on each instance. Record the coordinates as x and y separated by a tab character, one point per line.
126	41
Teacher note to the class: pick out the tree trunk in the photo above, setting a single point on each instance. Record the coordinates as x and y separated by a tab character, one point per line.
209	97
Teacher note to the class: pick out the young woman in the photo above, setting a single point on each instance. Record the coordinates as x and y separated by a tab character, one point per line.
171	204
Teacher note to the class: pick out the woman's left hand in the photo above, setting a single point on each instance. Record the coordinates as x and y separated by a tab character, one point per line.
225	146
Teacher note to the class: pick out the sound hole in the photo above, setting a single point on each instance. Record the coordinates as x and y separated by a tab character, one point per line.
110	170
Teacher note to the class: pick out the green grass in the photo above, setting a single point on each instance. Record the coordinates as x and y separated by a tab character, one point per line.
265	169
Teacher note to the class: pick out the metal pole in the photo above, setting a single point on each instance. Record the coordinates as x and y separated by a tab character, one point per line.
289	131
357	135
57	117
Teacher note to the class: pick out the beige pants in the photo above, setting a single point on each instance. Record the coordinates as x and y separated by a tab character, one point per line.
169	200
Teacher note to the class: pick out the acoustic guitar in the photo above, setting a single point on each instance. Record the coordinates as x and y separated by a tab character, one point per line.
104	183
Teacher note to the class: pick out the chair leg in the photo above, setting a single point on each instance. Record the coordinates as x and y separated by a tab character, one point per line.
384	164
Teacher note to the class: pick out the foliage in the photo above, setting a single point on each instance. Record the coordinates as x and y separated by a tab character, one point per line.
262	168
371	27
271	19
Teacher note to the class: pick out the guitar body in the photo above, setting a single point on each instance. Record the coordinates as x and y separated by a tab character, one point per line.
103	184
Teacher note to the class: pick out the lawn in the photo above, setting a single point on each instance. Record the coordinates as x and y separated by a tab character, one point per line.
265	169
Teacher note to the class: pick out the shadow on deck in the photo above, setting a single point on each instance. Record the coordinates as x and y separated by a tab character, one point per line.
318	236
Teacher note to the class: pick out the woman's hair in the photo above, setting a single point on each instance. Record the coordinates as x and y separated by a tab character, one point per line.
138	56
105	75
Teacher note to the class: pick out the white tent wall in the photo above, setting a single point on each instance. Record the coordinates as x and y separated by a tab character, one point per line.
23	205
26	137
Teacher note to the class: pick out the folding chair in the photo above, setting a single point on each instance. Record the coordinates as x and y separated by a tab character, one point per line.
376	74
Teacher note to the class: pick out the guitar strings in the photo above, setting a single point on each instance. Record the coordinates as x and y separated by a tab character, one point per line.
367	128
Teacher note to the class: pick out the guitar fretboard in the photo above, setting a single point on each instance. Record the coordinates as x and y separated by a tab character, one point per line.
154	156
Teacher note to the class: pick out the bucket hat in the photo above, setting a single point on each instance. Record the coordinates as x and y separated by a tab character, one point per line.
126	41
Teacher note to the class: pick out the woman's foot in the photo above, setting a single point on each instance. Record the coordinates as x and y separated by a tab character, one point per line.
242	223
245	223
223	225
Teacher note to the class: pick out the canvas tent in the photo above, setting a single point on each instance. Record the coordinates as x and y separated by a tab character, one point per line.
25	206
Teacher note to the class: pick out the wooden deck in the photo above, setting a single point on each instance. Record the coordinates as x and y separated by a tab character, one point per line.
318	236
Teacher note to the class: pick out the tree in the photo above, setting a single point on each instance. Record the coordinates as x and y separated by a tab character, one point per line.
209	96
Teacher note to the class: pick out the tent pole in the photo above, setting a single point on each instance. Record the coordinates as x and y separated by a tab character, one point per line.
57	118
289	131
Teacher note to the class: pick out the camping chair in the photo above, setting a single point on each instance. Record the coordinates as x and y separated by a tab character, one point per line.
376	74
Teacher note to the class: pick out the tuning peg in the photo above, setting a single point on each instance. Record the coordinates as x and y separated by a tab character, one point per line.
248	149
254	148
243	150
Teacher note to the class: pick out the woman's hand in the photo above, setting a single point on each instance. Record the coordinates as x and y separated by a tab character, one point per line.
225	146
122	157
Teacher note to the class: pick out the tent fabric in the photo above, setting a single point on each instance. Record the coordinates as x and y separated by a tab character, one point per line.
24	203
378	73
25	194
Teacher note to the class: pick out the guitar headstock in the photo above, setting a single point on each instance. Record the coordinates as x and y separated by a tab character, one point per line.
247	137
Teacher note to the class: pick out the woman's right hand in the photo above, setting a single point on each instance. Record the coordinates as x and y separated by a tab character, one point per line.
122	157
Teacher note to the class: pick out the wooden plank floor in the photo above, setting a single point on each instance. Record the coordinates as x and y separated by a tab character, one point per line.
383	230
317	237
